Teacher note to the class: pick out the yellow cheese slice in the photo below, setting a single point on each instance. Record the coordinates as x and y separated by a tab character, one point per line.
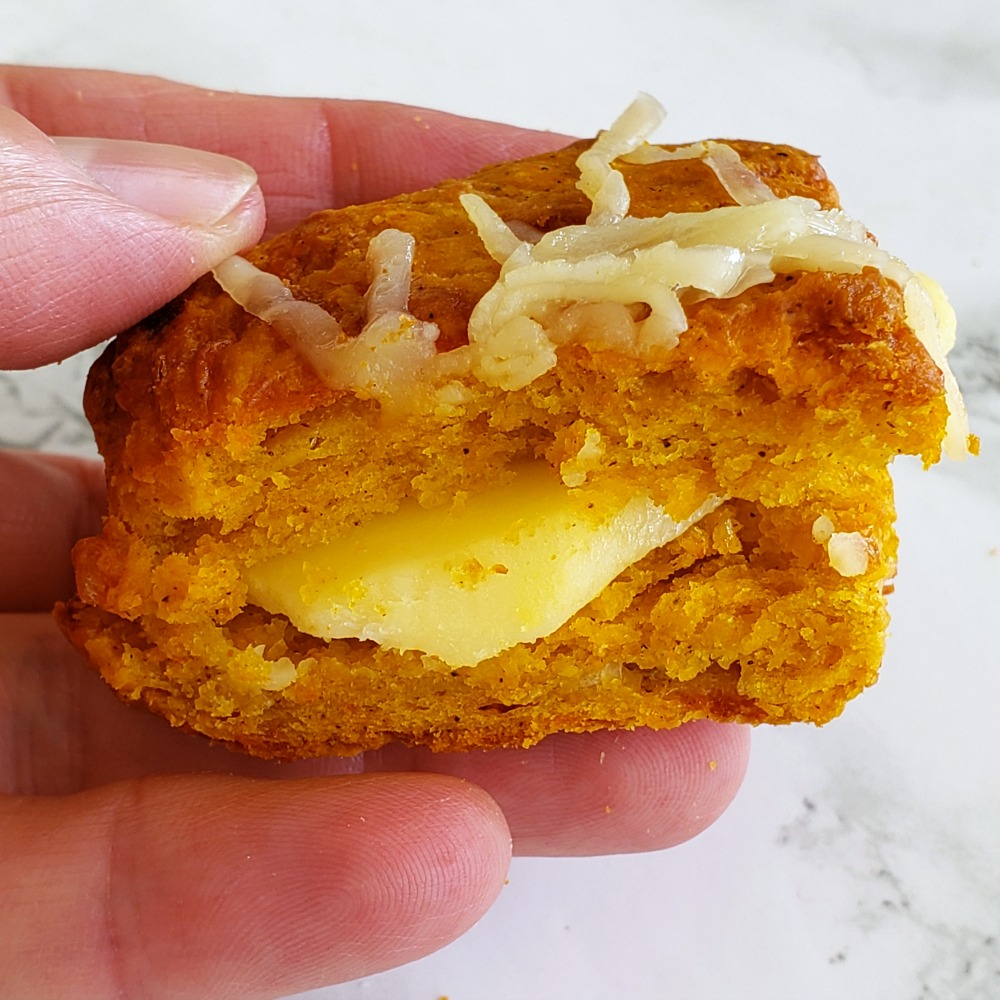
511	566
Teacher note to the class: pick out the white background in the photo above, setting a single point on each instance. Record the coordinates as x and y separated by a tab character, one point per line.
861	860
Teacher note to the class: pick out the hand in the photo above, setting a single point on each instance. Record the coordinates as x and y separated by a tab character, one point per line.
142	862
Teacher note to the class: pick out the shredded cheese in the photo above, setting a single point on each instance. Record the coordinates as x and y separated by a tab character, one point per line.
385	361
574	471
588	284
739	181
848	552
599	181
932	319
390	263
676	258
822	529
660	262
309	327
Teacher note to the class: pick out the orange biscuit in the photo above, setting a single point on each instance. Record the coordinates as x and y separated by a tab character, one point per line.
770	411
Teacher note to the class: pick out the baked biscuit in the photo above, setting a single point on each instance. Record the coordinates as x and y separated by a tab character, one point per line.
597	439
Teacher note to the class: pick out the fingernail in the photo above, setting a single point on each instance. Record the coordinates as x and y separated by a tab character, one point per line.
187	186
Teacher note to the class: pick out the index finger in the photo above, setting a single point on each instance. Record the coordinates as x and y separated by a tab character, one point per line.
309	153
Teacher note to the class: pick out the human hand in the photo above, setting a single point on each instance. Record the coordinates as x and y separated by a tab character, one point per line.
143	862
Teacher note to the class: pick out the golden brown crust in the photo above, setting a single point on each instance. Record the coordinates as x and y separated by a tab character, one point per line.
222	446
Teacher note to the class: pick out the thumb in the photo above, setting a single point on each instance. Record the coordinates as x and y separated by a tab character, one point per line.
97	233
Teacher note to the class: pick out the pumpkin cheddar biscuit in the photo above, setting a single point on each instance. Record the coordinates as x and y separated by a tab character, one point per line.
596	439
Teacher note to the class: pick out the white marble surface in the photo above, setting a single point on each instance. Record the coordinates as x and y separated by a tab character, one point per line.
860	861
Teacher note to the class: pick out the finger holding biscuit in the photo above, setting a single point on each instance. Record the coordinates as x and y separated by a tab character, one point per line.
146	861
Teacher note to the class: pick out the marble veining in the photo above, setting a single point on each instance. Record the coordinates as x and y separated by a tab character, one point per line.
43	409
976	363
870	869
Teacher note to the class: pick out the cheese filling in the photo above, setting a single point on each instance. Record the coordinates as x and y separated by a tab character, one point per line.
518	561
511	566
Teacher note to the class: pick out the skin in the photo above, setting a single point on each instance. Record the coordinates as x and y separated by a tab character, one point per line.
143	862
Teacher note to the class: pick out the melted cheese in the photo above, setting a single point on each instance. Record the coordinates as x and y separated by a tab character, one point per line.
389	360
658	264
510	567
663	262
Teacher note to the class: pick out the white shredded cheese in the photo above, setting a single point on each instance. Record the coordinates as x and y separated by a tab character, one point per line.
497	237
390	262
848	552
386	361
599	181
931	317
582	284
574	471
739	181
657	262
664	262
307	326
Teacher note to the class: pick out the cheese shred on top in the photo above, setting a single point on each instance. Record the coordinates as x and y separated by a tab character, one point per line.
616	282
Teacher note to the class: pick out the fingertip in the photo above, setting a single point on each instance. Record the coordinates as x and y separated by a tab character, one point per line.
709	760
96	234
212	204
642	790
611	792
240	888
187	186
327	880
